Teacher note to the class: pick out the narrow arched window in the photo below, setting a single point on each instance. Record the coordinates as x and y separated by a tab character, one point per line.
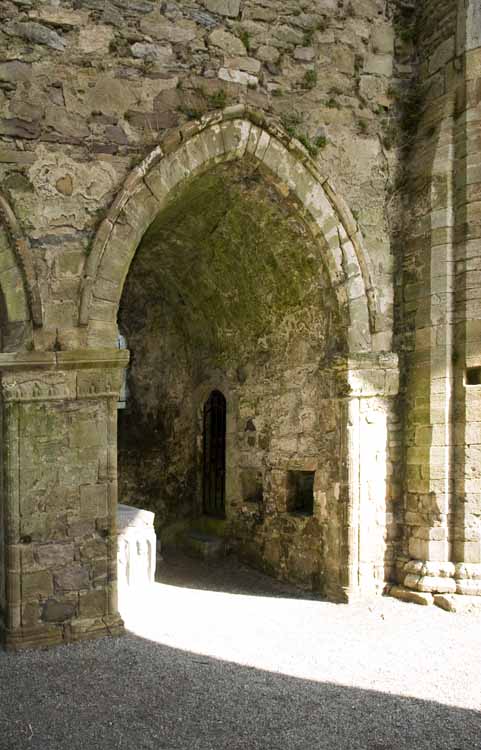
215	410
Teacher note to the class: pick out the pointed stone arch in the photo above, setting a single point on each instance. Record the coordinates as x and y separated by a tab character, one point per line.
18	281
193	150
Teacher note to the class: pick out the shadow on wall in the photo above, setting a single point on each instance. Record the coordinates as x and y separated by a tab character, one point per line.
129	693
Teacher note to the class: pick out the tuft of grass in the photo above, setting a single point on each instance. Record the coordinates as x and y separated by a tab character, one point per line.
290	121
333	103
217	100
320	142
310	146
310	79
308	37
245	38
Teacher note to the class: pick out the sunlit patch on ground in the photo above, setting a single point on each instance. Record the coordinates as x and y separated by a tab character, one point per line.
383	645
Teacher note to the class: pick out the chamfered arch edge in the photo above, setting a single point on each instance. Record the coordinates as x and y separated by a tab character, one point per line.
193	149
18	281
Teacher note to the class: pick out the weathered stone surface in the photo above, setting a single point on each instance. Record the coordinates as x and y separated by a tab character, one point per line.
37	584
19	128
305	54
379	64
247	64
454	603
55	611
159	27
267	53
472	25
14	71
435	584
93	604
442	55
229	8
96	39
228	43
61	17
61	121
37	33
237	76
382	39
73	578
93	549
414	597
265	300
52	555
151	51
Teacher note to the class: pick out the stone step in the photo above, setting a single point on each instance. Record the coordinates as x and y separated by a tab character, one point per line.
205	546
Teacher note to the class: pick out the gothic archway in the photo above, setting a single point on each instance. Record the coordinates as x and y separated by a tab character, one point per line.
151	202
230	135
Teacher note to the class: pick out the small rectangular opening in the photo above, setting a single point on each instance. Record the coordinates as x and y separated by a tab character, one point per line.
473	376
300	492
252	488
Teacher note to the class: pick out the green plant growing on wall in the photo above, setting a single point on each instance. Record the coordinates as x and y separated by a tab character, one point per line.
290	121
363	126
217	100
245	38
308	37
333	104
320	142
310	79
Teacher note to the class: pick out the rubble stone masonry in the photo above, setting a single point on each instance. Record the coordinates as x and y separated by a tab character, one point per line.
278	199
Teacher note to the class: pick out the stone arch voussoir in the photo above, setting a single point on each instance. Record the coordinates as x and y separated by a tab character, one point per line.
192	150
18	280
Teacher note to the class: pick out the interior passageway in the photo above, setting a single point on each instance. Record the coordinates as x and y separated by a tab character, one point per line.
230	318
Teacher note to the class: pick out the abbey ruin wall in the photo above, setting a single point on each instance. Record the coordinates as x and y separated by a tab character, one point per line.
273	200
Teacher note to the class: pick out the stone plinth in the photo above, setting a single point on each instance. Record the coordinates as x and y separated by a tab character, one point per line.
137	545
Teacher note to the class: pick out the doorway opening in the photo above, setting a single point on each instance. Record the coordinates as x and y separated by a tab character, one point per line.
214	432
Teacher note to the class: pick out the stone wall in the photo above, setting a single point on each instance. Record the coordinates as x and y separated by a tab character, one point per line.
297	123
442	530
59	496
87	87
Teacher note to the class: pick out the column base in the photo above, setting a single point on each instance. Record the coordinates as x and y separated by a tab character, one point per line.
442	577
55	635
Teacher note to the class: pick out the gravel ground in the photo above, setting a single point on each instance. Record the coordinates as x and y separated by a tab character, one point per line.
218	656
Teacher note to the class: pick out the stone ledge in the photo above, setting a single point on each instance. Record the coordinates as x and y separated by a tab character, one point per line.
80	359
